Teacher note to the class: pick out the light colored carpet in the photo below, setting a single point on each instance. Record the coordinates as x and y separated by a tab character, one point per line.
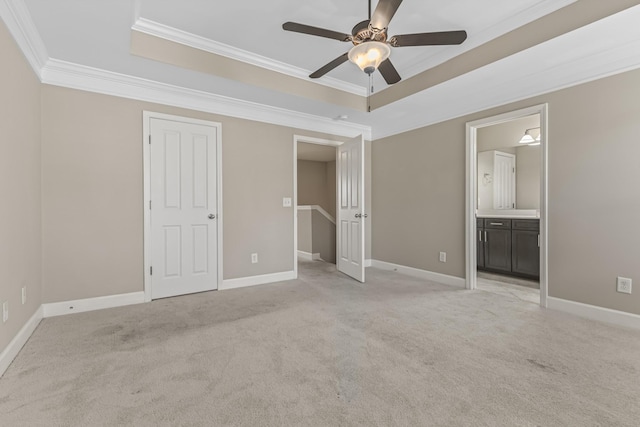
325	350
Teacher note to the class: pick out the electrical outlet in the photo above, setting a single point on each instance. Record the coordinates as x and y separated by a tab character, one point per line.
443	257
5	311
24	295
624	285
254	258
286	202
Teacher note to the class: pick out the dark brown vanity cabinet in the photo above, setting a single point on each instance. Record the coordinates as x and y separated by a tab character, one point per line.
497	245
480	241
509	246
525	243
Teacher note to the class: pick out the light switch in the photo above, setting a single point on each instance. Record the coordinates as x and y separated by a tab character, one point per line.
286	202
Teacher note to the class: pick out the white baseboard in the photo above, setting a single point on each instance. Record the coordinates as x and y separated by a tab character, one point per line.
368	263
257	280
16	344
458	282
593	312
90	304
308	256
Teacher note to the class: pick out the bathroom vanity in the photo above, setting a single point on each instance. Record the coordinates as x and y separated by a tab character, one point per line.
509	245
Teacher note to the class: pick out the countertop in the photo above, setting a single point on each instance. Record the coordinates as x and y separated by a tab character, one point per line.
508	216
509	213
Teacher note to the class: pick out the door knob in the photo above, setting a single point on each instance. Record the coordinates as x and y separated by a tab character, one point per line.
212	216
358	215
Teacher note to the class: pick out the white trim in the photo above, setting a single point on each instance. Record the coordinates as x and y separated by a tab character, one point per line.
601	314
308	256
309	140
18	20
75	76
146	133
201	43
13	348
445	279
90	304
471	196
319	209
257	280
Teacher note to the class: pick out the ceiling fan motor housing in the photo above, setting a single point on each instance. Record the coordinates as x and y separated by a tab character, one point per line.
362	32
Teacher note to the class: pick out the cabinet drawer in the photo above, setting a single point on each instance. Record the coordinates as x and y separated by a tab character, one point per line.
497	223
479	223
525	224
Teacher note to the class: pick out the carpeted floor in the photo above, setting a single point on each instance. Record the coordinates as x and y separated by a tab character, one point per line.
325	350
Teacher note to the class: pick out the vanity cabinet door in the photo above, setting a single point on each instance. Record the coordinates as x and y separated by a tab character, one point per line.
497	250
480	243
526	253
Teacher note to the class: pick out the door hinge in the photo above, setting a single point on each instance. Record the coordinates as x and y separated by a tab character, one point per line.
151	271
513	205
513	169
149	204
149	139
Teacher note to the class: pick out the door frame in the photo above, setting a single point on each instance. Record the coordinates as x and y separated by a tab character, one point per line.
471	193
146	198
308	140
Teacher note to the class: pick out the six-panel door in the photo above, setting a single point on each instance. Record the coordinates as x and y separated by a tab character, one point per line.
183	210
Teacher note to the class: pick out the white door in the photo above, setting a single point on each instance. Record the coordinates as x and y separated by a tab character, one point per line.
183	208
351	215
504	190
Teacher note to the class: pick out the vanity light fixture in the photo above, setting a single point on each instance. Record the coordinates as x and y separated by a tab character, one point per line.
528	139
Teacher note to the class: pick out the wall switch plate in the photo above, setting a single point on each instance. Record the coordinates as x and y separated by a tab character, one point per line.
286	202
24	295
254	258
443	257
623	285
5	311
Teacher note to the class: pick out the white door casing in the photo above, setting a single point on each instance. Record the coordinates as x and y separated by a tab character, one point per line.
183	207
350	212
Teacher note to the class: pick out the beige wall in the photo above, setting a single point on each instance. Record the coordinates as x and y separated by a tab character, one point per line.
317	184
92	194
528	169
419	192
20	234
323	236
305	241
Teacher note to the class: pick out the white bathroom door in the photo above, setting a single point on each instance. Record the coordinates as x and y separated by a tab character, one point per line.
183	208
351	215
504	190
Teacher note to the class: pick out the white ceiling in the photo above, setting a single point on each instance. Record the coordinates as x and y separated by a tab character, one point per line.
97	34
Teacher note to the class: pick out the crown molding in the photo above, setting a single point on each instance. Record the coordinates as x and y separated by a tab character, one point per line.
192	40
18	20
75	76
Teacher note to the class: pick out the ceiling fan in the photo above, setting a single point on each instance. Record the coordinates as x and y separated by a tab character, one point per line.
371	49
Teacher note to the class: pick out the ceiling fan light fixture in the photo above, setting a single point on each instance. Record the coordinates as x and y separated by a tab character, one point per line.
369	55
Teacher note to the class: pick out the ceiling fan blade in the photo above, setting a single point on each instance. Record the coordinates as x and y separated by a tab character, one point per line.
315	31
389	72
384	12
428	39
330	66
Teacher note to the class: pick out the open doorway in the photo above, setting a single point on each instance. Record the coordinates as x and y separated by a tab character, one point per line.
316	202
506	204
348	192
